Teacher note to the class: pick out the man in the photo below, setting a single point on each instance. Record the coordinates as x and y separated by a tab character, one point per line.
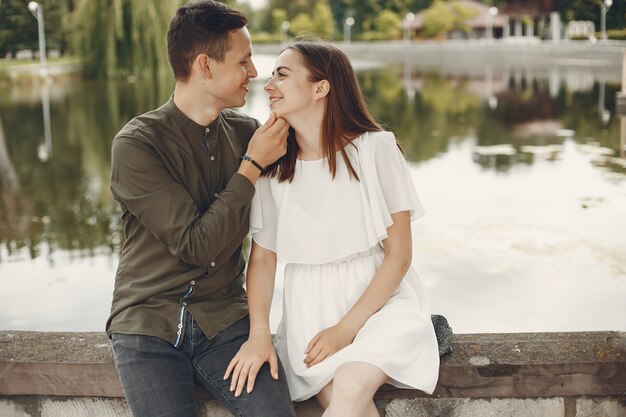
184	176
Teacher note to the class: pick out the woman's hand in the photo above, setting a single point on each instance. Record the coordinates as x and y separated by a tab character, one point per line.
245	366
326	343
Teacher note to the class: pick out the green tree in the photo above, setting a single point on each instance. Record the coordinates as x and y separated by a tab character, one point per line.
340	10
123	37
417	6
388	24
440	18
293	7
591	10
18	27
364	12
302	24
437	20
278	17
460	15
323	23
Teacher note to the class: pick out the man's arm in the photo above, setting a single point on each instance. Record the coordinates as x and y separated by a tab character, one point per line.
141	182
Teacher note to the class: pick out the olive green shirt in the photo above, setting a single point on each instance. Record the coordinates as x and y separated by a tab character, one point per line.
186	212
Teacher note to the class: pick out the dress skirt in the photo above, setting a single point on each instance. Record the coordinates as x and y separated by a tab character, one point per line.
399	338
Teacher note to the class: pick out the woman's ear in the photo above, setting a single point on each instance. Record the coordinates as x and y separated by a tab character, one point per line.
322	88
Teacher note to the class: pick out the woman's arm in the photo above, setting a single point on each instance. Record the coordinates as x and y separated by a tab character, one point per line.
258	349
398	254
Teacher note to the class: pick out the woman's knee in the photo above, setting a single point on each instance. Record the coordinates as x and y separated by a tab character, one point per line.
351	388
357	381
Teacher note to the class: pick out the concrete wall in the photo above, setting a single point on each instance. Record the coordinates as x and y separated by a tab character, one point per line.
467	52
527	374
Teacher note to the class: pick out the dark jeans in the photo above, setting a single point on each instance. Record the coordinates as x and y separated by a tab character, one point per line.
158	379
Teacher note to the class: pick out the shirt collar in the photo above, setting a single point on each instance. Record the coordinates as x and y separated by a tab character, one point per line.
171	110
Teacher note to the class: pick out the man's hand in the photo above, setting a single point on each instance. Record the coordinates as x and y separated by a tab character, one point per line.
269	142
326	343
245	366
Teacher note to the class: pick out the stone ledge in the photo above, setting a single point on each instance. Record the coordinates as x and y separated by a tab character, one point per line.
517	365
418	407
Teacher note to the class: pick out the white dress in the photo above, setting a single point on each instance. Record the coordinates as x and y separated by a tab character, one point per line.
329	233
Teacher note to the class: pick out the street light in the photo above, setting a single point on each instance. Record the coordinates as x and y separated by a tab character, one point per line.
606	5
493	11
347	27
410	17
284	27
37	11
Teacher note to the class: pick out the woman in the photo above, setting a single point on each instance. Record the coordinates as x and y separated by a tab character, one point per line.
337	210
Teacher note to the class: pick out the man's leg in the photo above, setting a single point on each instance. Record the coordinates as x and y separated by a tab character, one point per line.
156	377
270	398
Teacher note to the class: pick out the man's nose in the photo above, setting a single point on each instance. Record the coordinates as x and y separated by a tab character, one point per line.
252	72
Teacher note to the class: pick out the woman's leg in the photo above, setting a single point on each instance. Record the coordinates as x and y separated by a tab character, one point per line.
323	397
353	390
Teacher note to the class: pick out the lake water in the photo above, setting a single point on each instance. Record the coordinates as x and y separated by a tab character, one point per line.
522	174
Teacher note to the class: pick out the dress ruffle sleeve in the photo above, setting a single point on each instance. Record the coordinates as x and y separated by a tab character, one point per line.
263	215
387	183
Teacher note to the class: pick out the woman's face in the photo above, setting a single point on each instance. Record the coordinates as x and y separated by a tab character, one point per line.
291	93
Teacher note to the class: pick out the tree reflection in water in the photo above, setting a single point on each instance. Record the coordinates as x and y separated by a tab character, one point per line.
64	203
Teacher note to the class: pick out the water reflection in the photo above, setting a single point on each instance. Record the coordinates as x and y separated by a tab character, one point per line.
505	109
476	138
15	208
45	149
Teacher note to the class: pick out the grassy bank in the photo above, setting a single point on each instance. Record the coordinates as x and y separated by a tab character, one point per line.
6	64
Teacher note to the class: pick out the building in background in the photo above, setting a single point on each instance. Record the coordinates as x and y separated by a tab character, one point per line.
531	19
513	20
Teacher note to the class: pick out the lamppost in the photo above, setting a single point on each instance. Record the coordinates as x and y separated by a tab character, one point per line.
284	27
606	5
347	27
37	11
493	11
410	17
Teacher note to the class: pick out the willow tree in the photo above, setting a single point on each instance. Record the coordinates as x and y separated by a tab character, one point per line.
122	37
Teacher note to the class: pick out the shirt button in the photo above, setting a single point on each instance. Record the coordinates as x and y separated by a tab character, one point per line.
215	195
212	158
207	130
212	263
178	332
180	326
193	282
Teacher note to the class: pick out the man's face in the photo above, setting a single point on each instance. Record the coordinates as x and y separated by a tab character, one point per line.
232	75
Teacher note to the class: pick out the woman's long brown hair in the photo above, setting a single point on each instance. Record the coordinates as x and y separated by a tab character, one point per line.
345	117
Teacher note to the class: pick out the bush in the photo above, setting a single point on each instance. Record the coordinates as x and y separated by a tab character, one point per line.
616	34
579	38
613	34
264	37
372	35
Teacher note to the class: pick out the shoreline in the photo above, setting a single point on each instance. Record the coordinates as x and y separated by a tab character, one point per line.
510	53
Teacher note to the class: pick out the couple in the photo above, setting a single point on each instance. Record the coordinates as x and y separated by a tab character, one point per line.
320	186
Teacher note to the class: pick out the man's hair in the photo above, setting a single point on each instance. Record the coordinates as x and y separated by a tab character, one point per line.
200	28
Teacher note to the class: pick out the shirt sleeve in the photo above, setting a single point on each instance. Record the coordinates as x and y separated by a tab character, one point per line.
263	215
141	182
388	182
